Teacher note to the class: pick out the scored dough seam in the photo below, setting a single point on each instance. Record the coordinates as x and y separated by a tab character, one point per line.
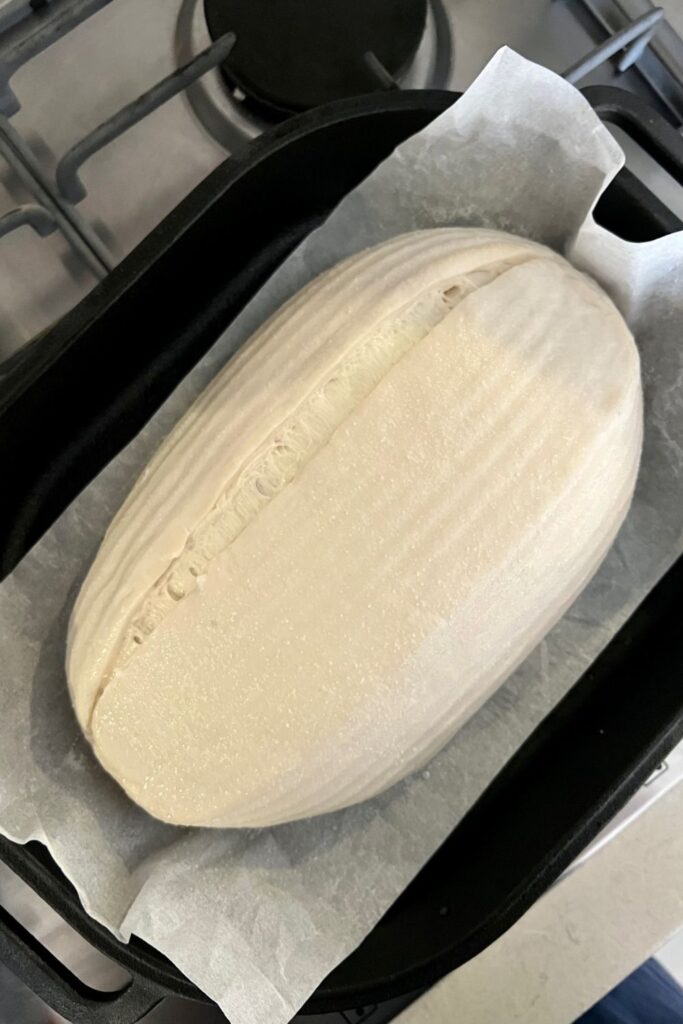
296	440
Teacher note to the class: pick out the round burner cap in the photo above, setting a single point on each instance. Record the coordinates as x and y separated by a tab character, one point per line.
291	55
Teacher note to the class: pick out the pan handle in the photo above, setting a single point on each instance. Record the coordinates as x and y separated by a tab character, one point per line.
642	123
52	982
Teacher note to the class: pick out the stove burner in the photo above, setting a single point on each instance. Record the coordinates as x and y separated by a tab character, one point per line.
291	55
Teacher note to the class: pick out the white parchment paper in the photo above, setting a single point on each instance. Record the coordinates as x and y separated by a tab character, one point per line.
257	918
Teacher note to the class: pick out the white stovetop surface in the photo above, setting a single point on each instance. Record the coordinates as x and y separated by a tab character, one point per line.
579	940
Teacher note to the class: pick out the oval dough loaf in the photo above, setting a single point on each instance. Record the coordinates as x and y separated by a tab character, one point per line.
370	517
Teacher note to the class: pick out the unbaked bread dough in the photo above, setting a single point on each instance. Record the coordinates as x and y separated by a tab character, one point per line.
369	518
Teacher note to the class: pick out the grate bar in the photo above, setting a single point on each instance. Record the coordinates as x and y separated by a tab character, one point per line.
75	229
68	181
30	214
632	38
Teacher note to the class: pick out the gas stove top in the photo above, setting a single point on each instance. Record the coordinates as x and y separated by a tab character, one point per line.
111	111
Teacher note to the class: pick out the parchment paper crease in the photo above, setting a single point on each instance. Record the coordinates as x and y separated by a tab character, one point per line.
258	918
